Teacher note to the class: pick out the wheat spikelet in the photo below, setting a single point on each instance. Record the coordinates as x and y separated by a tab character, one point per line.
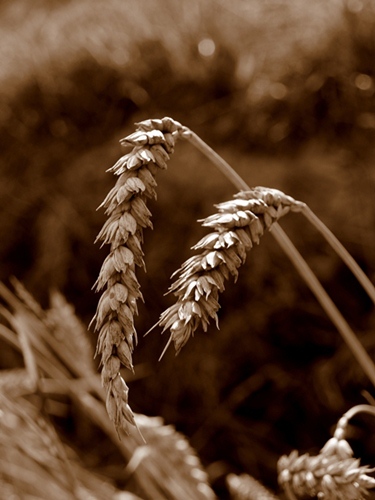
333	474
125	206
238	225
245	487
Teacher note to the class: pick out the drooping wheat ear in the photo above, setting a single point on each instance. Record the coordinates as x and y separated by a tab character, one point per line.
152	143
238	226
333	474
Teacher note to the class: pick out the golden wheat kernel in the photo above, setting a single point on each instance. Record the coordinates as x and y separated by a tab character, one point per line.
208	241
125	316
146	155
106	349
367	481
106	272
140	213
213	259
124	355
135	185
134	245
119	292
161	156
225	219
129	279
330	447
103	309
120	167
122	258
111	406
112	367
146	177
137	138
127	224
119	386
128	414
344	449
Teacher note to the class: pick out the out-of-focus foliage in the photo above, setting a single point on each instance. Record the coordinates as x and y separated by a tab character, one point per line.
285	92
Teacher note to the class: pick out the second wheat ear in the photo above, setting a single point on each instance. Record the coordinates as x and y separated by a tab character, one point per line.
237	226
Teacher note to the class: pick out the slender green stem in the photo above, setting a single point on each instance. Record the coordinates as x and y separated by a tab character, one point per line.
297	260
341	251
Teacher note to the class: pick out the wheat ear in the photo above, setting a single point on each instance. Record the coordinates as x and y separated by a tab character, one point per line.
125	205
333	473
299	262
238	226
245	487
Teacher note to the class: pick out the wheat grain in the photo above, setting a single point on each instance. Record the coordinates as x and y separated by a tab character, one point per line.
125	205
238	225
326	475
245	487
333	474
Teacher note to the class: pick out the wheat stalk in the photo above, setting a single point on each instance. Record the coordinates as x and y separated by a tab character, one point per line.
299	262
238	226
332	474
128	215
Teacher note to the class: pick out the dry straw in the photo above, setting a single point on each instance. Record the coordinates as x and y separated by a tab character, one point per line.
333	474
165	467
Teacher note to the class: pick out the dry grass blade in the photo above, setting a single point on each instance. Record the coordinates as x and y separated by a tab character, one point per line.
125	205
238	226
61	373
35	458
36	464
171	451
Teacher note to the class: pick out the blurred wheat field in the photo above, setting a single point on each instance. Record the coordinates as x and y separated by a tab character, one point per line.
284	91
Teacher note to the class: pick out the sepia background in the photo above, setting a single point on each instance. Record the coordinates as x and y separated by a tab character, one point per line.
284	91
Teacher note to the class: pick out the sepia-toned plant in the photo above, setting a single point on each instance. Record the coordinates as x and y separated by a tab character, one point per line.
125	206
238	226
333	474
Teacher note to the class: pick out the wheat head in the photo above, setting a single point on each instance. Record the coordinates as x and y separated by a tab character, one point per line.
332	474
125	205
238	226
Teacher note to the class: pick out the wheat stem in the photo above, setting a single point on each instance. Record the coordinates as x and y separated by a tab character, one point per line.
341	251
297	260
326	302
216	159
359	409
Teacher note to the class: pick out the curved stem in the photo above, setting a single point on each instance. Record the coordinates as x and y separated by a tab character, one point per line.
216	159
359	409
341	251
297	260
342	424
